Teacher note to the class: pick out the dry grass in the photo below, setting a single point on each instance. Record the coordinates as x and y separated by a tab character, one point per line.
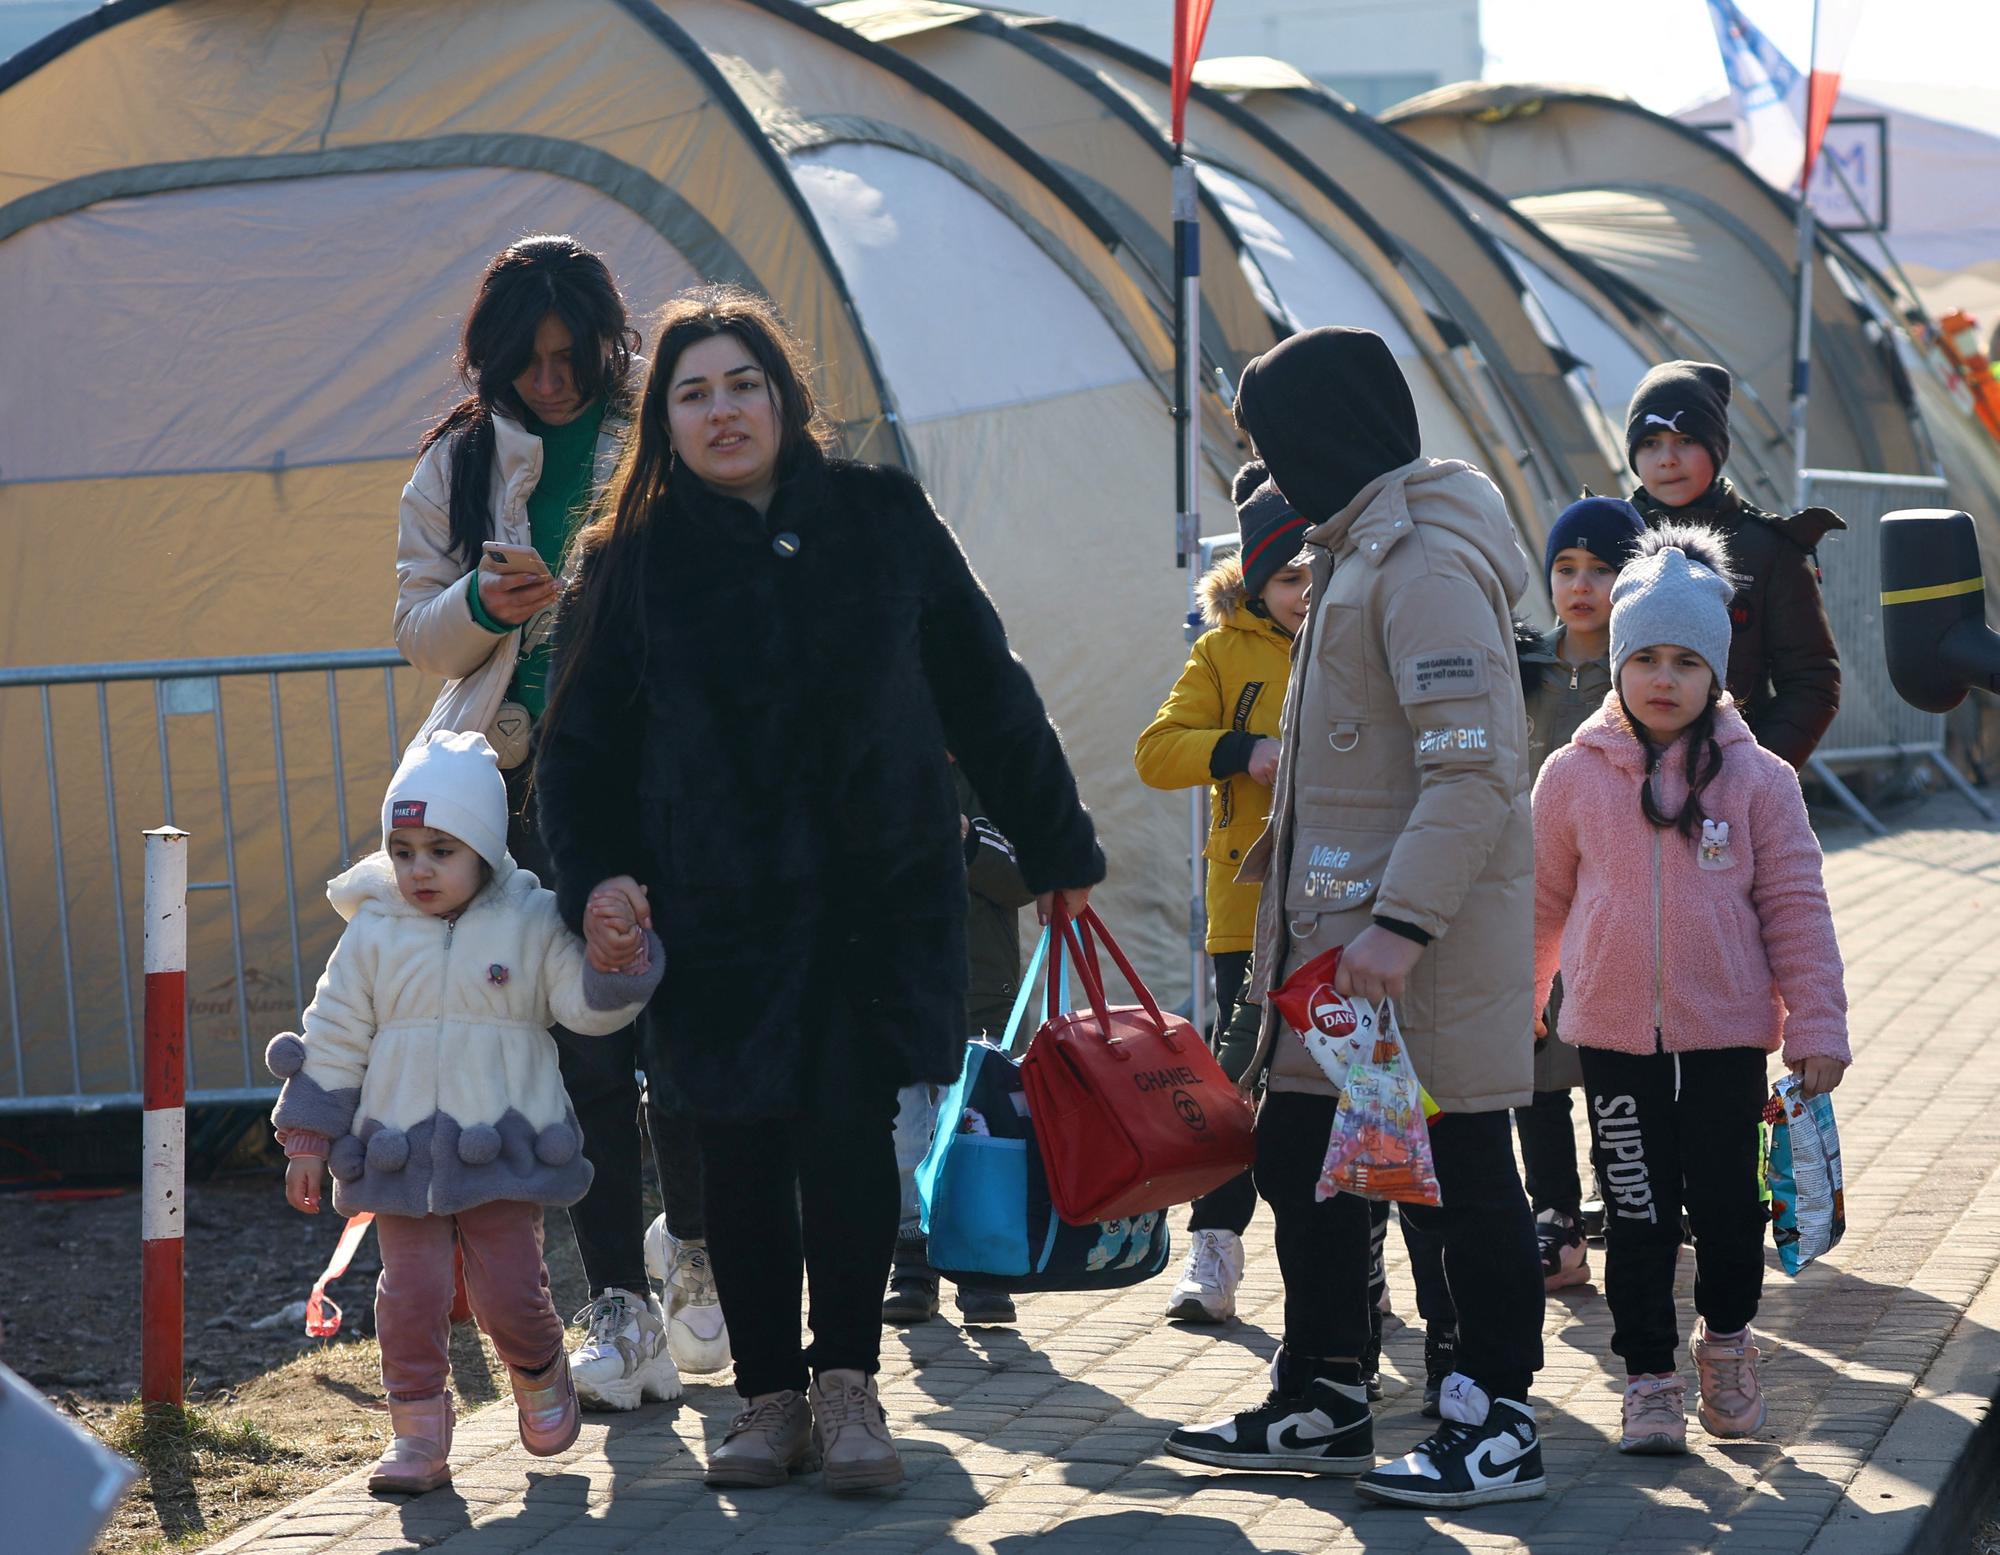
240	1454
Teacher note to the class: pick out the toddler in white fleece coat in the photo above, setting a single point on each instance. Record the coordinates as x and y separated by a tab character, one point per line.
426	1082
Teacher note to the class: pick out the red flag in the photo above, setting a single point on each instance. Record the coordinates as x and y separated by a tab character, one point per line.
1190	26
1834	23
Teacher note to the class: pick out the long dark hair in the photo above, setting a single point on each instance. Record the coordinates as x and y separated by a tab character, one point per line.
1704	765
601	609
526	282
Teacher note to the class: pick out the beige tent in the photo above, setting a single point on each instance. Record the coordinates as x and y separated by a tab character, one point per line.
235	241
1680	218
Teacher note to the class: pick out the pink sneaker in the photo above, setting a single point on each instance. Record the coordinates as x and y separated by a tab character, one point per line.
1732	1403
419	1454
550	1419
1655	1415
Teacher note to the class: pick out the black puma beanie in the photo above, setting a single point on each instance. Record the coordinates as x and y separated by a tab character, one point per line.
1690	397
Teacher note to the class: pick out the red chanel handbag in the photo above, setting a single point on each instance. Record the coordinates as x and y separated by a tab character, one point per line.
1131	1110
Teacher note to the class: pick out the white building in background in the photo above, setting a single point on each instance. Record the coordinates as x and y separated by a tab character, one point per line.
1372	52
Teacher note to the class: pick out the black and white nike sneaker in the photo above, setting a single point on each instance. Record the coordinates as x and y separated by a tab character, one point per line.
1483	1451
1308	1425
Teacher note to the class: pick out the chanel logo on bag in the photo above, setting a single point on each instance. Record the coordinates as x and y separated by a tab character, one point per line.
1190	1111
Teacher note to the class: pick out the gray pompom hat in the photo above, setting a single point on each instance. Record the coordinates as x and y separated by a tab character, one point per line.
1676	589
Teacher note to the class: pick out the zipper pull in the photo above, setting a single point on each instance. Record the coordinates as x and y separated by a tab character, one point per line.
1574	670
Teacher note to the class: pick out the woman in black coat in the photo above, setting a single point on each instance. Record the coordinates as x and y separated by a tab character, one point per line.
764	658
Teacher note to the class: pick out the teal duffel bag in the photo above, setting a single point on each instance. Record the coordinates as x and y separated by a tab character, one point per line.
985	1198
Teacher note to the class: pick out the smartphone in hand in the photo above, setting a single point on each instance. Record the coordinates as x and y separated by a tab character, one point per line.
512	560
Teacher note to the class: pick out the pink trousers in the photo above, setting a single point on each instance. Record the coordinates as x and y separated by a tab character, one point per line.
504	1276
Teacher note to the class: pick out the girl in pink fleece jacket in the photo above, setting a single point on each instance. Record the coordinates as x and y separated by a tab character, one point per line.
1678	890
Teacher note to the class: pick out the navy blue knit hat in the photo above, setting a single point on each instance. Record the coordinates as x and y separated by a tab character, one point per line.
1607	527
1272	529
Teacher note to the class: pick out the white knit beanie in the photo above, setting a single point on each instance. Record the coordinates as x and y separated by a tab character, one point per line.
451	783
1676	589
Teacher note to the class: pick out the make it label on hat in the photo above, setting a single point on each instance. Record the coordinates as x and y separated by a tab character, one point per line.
406	812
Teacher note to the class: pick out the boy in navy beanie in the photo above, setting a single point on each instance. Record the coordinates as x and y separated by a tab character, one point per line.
1784	670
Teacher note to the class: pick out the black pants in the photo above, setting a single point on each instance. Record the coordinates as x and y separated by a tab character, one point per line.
1426	1248
601	1075
1548	1153
1490	1261
1229	1207
813	1197
1670	1131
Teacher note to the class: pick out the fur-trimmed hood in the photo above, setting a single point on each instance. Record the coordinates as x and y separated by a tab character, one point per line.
1222	593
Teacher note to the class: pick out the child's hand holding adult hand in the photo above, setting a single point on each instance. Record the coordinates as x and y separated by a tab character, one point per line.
615	920
304	1175
1375	965
1263	766
1817	1076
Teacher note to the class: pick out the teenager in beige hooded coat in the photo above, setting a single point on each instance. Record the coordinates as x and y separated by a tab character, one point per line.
1400	833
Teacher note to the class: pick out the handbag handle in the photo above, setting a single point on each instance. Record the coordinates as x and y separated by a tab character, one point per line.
1010	1039
1080	935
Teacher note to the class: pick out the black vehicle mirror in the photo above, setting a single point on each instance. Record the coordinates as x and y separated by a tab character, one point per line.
1934	609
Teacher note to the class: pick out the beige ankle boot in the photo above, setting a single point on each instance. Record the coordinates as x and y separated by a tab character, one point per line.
769	1441
419	1456
853	1434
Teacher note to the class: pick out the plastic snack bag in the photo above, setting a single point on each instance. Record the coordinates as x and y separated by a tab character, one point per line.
1381	1144
1802	1171
1329	1023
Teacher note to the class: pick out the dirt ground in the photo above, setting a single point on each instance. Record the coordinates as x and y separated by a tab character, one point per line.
278	1413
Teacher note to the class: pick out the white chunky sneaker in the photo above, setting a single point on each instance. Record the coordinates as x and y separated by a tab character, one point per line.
697	1337
1207	1289
623	1359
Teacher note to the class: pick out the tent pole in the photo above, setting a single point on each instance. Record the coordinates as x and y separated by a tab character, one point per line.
1802	353
1802	335
1187	529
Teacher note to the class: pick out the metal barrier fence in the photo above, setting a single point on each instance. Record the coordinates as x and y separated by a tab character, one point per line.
1874	725
263	801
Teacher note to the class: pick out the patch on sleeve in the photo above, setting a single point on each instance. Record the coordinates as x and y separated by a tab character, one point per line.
1454	743
1432	677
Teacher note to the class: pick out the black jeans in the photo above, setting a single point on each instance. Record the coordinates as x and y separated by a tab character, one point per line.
813	1197
1490	1260
1548	1153
1434	1303
1229	1207
601	1075
1672	1131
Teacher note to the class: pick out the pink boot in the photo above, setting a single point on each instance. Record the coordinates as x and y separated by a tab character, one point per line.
418	1458
550	1419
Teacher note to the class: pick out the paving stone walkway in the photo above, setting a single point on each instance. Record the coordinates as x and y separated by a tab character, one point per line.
1878	1360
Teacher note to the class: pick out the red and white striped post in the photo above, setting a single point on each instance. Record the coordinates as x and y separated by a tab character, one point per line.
164	1178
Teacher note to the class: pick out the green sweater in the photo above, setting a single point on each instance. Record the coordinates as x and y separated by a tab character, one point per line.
556	507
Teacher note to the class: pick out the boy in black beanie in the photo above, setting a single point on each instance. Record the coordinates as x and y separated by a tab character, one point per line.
1784	670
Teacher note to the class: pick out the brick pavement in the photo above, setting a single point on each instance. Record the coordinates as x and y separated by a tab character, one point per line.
1050	1432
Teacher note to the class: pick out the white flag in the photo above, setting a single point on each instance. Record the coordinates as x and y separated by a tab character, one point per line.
1768	96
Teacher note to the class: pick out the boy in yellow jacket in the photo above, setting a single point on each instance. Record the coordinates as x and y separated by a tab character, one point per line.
1219	726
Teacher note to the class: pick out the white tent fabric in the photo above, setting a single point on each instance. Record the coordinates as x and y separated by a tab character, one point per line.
355	279
1612	364
953	328
1043	445
1315	284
